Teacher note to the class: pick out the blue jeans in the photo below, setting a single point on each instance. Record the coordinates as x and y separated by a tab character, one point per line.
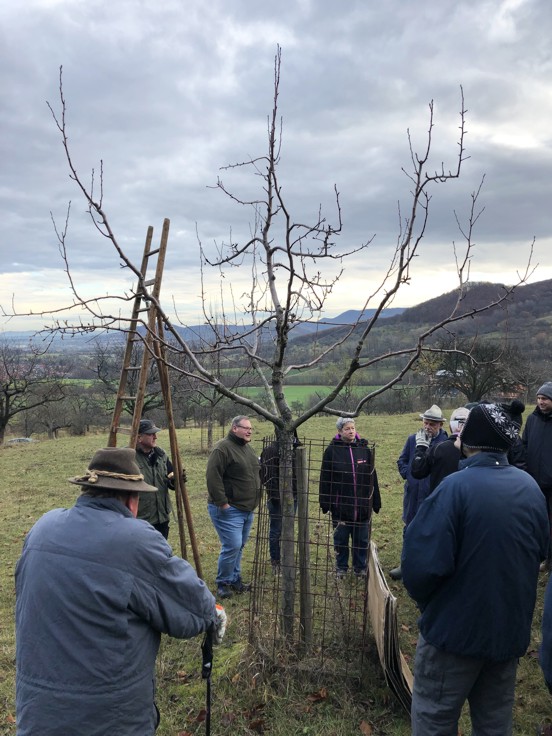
444	681
233	527
357	531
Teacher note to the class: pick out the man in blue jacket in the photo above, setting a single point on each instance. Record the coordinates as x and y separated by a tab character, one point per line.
95	589
416	490
471	562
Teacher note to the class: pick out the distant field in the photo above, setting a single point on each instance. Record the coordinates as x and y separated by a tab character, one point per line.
302	393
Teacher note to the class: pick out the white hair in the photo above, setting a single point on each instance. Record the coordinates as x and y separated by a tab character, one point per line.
342	421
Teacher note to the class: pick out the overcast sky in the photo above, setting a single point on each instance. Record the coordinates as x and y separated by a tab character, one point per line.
167	92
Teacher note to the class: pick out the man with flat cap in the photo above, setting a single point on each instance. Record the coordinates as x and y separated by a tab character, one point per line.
157	470
471	560
95	589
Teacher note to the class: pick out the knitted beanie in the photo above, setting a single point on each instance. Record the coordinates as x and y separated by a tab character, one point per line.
489	428
545	390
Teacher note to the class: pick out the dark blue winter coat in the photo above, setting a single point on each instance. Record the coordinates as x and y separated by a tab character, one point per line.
545	653
471	559
537	440
415	490
95	588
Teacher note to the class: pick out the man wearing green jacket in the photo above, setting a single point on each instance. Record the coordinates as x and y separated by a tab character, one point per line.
233	486
157	470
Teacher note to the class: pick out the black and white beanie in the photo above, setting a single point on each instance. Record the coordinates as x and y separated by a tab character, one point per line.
489	428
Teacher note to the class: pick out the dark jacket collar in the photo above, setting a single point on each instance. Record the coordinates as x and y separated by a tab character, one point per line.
234	437
484	459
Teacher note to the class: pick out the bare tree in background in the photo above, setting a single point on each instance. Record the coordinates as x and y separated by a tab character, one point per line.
27	381
477	368
106	366
294	266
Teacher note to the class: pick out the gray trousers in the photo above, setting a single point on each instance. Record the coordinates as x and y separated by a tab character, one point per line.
442	684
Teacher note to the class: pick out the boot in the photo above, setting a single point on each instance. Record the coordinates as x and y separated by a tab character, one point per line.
396	573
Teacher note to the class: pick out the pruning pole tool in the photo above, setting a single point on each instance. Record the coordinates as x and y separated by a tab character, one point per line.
207	668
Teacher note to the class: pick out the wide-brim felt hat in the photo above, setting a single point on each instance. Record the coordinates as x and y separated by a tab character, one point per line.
433	414
116	469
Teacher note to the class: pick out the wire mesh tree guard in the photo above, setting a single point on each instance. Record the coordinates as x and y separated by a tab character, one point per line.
304	612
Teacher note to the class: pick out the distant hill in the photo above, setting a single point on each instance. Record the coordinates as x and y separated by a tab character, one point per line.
193	333
525	317
529	303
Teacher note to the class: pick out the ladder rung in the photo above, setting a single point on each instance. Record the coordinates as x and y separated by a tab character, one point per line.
149	282
153	252
128	398
133	368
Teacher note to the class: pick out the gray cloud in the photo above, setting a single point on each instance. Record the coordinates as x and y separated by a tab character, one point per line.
167	93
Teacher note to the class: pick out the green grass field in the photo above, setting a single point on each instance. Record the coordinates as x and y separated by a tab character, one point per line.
247	698
301	393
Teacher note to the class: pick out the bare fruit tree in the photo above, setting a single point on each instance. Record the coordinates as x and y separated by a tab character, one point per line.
293	266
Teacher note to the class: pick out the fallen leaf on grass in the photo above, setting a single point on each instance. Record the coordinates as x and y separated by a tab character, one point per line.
184	733
10	718
254	711
258	725
322	694
228	718
181	675
366	729
404	627
201	716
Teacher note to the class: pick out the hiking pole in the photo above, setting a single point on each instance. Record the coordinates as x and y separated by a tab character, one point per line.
207	668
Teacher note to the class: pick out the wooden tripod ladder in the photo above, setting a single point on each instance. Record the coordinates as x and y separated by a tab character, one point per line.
145	301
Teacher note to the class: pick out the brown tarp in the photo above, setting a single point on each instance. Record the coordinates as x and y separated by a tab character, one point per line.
382	606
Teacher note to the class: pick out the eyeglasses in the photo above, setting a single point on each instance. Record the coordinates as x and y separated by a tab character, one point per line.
247	429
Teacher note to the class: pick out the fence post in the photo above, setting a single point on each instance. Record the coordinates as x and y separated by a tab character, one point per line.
305	596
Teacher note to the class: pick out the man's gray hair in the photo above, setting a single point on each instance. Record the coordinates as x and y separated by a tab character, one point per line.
342	421
237	420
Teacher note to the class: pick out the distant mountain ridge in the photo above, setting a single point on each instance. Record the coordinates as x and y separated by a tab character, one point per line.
195	333
526	312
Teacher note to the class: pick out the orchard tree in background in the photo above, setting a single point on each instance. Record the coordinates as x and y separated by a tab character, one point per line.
106	367
28	380
478	368
294	265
